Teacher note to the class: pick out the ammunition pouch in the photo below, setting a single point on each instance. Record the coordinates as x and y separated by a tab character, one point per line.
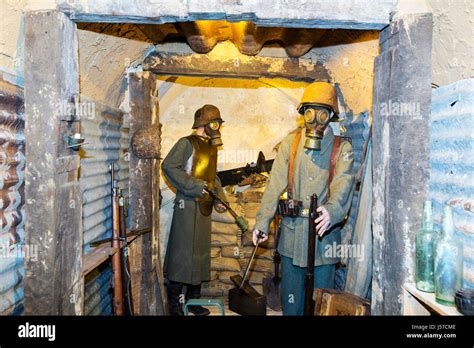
290	208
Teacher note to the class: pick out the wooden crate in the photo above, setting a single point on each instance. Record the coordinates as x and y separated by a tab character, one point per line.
335	302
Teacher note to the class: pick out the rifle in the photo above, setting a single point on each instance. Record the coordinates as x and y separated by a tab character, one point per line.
309	276
127	279
235	176
129	233
116	258
239	220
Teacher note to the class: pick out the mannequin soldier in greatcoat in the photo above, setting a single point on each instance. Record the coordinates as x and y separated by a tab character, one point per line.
190	167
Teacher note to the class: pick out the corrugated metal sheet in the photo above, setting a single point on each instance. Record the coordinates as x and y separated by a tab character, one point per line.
108	142
452	162
98	292
358	130
202	36
12	198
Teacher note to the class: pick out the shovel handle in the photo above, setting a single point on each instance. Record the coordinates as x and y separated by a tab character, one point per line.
244	279
276	262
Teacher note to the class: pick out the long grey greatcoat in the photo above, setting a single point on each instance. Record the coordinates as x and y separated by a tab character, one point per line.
188	258
311	170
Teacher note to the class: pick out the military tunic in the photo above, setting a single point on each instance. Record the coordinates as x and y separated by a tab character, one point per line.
187	257
311	171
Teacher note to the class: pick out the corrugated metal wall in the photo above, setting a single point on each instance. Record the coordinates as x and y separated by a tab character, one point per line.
108	142
452	162
98	292
357	128
12	198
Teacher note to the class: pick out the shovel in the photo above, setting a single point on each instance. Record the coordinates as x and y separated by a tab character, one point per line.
271	285
244	299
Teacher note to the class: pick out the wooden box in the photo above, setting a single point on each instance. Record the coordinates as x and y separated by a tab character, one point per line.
335	302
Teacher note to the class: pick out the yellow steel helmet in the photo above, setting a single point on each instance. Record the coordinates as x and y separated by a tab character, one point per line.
319	93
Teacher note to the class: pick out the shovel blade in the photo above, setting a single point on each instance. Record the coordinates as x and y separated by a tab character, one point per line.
271	289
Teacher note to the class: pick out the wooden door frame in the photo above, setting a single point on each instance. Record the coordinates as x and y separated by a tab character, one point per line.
399	40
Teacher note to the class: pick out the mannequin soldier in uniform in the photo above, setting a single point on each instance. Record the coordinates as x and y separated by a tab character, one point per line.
190	167
311	173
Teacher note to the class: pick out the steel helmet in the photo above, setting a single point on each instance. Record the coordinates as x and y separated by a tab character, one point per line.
319	93
205	115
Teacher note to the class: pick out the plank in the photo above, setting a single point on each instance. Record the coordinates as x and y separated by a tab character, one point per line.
96	257
429	300
165	63
344	14
143	199
400	154
53	203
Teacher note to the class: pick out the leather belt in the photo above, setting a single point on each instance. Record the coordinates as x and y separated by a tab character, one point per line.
304	212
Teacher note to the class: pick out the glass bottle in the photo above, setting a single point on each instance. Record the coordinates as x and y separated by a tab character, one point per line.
448	265
424	251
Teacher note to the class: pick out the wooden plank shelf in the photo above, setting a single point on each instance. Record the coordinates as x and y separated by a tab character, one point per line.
96	257
425	299
99	255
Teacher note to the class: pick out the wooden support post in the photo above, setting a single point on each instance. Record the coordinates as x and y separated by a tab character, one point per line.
53	282
144	195
401	111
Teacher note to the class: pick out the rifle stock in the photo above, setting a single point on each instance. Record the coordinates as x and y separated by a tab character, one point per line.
127	281
117	257
309	276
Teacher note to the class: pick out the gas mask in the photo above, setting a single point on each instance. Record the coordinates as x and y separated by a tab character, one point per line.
316	120
212	130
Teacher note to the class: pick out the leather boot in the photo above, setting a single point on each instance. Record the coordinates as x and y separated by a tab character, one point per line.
175	290
194	291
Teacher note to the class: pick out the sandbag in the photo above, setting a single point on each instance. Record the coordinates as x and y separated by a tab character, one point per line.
215	288
268	244
261	253
219	239
231	251
251	209
215	251
258	265
252	195
224	277
223	228
256	277
225	264
225	216
214	275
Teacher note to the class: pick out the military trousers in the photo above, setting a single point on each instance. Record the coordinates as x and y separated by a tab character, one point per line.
292	284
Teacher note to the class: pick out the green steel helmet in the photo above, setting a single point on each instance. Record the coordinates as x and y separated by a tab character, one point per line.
205	115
